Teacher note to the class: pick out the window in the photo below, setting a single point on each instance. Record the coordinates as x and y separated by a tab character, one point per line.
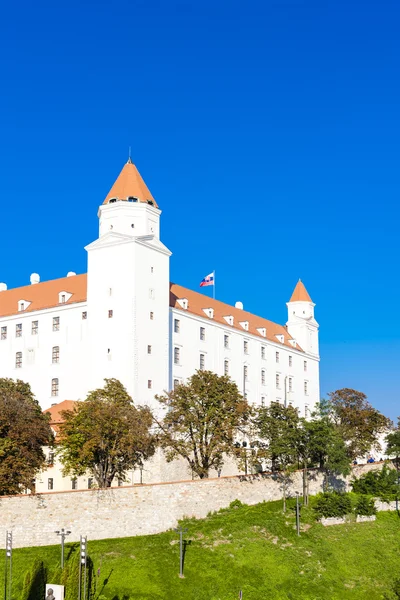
56	323
277	381
226	341
245	372
50	483
54	386
152	269
177	325
177	355
110	314
262	376
4	332
50	460
151	316
306	388
202	333
176	383
18	330
246	347
305	365
21	306
226	367
90	483
277	356
84	316
306	411
262	351
202	361
149	384
74	483
18	360
290	384
35	327
263	401
148	349
290	361
55	354
62	300
151	294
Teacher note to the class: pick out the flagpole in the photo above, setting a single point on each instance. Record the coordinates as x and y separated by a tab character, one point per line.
214	286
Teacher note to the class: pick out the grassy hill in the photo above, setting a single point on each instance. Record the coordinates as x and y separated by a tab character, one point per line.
254	549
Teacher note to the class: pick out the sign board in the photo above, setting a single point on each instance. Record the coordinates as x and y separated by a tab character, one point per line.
54	592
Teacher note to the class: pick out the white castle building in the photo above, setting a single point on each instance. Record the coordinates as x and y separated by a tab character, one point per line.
124	319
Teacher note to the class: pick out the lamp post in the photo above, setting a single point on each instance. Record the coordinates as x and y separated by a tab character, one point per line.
63	534
181	531
8	567
297	514
82	562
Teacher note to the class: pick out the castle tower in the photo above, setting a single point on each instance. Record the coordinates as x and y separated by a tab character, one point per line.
301	323
128	291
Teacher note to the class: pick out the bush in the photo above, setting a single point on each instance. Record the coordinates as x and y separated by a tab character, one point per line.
365	506
332	504
382	484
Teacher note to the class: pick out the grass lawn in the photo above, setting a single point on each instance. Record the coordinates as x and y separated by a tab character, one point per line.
252	548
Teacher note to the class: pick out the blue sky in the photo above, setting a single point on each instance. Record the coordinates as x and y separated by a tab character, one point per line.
268	132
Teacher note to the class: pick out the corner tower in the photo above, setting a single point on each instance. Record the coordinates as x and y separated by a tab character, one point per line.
301	323
128	291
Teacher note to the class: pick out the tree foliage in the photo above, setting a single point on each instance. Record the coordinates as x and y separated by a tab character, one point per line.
105	435
24	429
393	442
357	421
382	484
202	421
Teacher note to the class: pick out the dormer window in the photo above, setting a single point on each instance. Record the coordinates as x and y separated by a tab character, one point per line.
112	200
245	325
209	312
23	305
63	297
132	199
281	338
184	303
150	202
229	319
262	331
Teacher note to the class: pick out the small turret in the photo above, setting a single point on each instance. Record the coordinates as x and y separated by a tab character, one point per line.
301	323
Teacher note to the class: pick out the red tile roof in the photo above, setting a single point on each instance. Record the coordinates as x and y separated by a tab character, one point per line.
45	295
300	293
130	183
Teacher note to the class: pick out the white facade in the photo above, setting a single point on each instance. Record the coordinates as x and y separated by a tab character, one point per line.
64	337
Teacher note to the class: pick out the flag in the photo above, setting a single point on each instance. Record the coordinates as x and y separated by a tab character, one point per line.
209	280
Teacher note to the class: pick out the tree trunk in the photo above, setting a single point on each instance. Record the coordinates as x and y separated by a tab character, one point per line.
305	486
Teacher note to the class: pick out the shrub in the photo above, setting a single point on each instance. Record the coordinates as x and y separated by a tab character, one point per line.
382	484
332	504
365	506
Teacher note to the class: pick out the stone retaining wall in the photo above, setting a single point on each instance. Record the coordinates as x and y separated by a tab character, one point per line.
139	509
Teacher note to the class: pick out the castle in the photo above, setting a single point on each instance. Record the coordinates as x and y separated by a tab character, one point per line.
124	319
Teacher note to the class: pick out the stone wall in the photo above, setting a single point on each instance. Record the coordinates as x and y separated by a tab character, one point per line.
139	509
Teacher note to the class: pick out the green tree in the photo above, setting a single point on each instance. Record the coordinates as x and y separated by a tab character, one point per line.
276	426
358	423
393	444
105	435
24	430
202	421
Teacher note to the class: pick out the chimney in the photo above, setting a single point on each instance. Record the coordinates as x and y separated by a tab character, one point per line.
3	287
71	274
35	278
239	305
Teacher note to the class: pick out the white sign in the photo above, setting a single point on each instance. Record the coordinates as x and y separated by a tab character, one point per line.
54	592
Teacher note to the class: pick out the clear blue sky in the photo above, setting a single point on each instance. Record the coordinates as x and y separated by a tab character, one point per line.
268	132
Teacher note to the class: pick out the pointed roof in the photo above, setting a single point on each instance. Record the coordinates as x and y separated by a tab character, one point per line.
129	183
300	293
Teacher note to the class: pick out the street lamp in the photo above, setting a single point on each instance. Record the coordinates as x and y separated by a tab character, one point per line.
297	514
82	565
8	563
181	531
63	534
